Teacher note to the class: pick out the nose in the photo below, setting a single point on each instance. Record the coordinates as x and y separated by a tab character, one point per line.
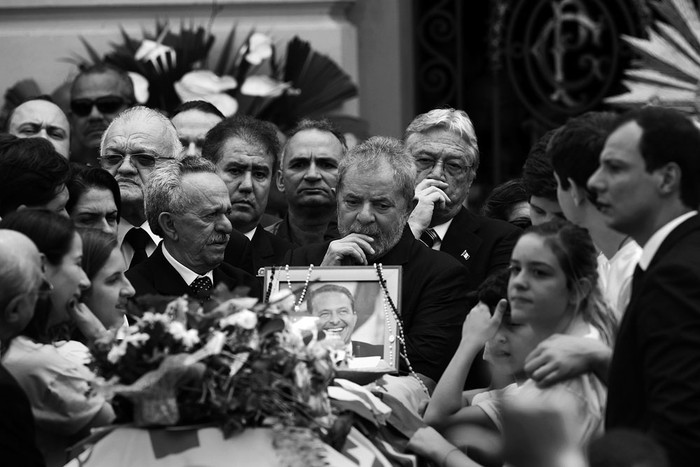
224	225
438	172
517	280
246	184
366	214
43	134
128	290
94	113
594	182
127	166
312	172
84	283
191	149
335	319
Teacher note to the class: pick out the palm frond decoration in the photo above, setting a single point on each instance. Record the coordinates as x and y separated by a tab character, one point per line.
667	71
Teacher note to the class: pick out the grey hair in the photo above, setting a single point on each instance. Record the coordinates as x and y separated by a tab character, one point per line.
455	121
15	265
164	191
143	114
369	155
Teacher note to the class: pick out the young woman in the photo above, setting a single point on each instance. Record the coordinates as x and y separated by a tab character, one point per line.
104	265
51	371
553	288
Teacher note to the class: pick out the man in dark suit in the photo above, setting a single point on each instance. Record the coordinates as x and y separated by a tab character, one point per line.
444	147
446	154
21	279
245	149
648	187
375	196
187	205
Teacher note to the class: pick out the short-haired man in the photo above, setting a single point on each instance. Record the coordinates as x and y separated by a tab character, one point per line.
98	94
43	119
648	187
574	151
187	205
32	175
376	181
308	176
245	151
540	184
444	148
137	142
192	120
21	279
334	306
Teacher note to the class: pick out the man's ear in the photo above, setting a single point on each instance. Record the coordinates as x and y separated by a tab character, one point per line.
670	178
166	221
280	181
578	194
16	309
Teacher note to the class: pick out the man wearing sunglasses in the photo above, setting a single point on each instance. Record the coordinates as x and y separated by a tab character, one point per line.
137	142
98	94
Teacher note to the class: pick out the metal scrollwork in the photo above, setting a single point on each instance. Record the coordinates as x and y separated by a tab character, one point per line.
563	56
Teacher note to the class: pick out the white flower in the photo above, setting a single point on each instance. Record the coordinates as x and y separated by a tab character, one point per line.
188	337
245	319
259	48
151	50
264	86
140	87
116	352
150	317
177	309
136	339
207	86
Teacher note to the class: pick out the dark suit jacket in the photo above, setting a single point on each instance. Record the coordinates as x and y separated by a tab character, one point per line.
283	230
433	299
488	242
654	382
17	435
156	276
239	253
363	349
266	250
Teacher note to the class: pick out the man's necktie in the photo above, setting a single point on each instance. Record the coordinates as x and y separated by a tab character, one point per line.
201	288
138	239
429	237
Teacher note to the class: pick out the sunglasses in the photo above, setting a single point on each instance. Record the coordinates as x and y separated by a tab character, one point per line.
106	105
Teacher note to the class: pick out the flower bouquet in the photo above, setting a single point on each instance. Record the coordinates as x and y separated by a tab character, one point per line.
248	78
238	364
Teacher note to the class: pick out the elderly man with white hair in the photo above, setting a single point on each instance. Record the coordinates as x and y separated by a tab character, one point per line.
21	279
137	142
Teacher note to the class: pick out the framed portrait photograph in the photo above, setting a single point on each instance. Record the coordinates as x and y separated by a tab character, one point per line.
351	305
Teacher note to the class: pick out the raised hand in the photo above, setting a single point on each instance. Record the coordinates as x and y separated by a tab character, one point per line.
350	250
429	194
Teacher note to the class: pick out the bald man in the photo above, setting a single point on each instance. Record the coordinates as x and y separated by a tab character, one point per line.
21	278
44	119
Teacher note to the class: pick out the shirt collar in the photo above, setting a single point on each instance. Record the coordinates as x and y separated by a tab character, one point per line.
125	226
655	241
441	230
251	233
186	273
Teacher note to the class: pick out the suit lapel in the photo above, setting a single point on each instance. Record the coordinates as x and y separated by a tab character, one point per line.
461	240
261	244
165	277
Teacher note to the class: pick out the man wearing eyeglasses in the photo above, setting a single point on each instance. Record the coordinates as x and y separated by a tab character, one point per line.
444	148
135	143
98	94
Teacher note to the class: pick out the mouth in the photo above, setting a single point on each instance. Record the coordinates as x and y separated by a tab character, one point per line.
312	191
334	331
127	181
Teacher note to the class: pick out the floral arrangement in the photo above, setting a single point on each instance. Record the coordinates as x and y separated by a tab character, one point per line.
170	67
235	363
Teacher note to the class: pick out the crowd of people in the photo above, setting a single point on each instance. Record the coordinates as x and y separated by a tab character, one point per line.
560	326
